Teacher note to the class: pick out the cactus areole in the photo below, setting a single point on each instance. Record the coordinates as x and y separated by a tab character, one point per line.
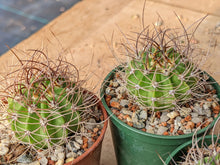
159	79
44	113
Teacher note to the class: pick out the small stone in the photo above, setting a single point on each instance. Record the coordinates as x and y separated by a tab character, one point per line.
150	129
108	90
134	117
171	121
77	145
208	112
59	149
61	155
207	105
125	111
90	124
143	115
198	109
188	118
3	149
164	117
43	161
5	142
115	104
138	125
119	96
187	131
185	111
115	84
121	90
32	163
193	114
79	153
124	102
90	143
173	114
161	130
197	120
53	158
190	125
60	162
69	160
79	140
24	159
71	155
177	122
156	122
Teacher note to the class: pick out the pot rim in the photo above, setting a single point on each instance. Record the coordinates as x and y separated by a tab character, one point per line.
175	137
100	138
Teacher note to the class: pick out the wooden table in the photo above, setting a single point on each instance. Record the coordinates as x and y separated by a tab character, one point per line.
80	34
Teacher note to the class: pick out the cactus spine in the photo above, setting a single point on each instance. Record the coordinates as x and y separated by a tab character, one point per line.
46	102
161	74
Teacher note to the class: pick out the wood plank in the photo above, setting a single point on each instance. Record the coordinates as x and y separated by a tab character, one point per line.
211	7
81	32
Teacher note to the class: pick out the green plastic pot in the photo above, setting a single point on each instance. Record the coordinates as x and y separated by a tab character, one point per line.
135	147
179	152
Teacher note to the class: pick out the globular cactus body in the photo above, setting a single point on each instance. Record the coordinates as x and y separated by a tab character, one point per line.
44	114
212	160
160	78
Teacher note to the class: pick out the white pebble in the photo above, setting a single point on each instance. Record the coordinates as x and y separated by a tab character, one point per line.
33	163
143	115
69	160
173	114
71	154
5	142
76	145
79	140
187	131
161	130
3	149
60	162
61	155
43	161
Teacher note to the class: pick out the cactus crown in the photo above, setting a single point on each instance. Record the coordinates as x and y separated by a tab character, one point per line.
160	73
46	101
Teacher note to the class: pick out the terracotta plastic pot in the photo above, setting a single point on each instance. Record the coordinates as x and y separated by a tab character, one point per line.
177	154
92	155
135	147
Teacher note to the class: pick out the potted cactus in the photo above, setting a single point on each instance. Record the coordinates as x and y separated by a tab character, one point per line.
47	116
202	151
159	97
198	151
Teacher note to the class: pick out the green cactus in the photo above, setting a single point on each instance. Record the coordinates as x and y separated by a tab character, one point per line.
159	79
43	113
210	160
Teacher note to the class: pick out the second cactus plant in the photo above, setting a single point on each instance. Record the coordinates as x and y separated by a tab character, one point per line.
160	78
